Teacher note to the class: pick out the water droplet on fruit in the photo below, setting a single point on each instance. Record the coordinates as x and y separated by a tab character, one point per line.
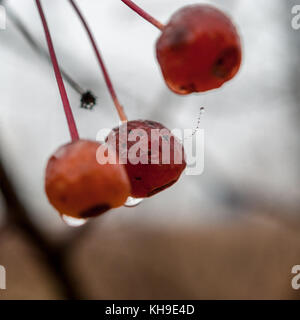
73	222
133	202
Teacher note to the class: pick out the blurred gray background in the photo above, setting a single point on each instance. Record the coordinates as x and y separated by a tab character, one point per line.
252	148
251	124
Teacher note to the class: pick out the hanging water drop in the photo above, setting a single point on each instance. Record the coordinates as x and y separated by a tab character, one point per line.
73	222
133	202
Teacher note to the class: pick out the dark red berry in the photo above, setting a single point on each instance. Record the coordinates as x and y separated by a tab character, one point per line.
78	186
198	50
160	168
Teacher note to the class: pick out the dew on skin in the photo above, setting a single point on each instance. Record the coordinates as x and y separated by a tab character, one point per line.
73	222
133	202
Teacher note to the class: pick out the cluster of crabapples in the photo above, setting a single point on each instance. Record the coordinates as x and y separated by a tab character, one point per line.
198	50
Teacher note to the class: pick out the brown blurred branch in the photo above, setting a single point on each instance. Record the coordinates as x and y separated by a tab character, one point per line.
54	255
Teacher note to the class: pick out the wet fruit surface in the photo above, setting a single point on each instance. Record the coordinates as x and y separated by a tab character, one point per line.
198	50
154	164
78	186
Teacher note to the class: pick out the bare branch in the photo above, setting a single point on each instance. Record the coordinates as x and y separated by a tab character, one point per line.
53	257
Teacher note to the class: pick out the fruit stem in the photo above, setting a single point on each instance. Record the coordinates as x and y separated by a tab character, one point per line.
109	84
20	25
144	14
60	83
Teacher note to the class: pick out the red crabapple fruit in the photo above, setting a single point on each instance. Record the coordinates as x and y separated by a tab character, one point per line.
199	49
158	161
79	187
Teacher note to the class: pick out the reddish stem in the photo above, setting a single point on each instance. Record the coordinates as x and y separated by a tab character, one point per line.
144	14
109	84
60	83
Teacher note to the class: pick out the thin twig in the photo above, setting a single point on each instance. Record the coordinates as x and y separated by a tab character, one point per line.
144	14
109	84
64	97
20	25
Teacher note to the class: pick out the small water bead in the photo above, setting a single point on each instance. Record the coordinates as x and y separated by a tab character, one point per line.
133	202
73	222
